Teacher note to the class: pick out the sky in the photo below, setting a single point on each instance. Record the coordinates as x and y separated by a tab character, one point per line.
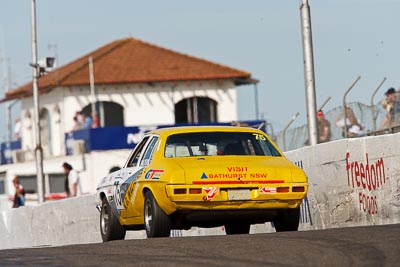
350	38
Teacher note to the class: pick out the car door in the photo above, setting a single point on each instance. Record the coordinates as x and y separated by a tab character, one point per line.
131	202
129	172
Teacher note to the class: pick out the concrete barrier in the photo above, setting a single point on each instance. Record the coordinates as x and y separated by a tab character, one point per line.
353	182
66	222
63	222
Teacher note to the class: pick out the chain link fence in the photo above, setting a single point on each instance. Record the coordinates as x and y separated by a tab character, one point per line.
298	137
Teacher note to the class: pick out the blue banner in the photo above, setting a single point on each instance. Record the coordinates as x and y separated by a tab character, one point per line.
127	137
6	149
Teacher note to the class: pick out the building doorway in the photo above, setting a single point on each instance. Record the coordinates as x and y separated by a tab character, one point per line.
110	113
196	110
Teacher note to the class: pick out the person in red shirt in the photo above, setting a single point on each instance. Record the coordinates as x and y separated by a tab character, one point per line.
324	128
19	197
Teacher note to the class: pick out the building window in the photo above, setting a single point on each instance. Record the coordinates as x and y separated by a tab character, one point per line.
56	182
196	110
29	183
110	113
2	183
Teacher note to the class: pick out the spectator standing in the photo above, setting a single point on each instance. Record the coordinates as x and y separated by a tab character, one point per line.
324	128
96	121
354	126
17	129
72	184
87	122
388	103
78	121
19	197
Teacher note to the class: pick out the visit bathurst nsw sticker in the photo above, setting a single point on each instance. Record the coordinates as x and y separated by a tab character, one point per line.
210	193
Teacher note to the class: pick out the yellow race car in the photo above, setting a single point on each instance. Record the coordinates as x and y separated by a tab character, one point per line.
176	178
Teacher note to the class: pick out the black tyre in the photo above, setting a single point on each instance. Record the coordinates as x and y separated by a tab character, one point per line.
237	228
110	227
156	222
287	220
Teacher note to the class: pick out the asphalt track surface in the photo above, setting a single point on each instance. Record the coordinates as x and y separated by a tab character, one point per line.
357	246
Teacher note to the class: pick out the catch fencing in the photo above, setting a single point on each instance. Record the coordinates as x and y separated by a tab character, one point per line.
298	137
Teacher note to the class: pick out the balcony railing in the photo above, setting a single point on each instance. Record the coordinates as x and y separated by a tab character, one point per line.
100	139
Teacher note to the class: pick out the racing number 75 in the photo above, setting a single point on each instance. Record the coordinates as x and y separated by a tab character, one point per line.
259	136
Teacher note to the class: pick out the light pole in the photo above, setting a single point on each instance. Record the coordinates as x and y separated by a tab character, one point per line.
257	111
309	71
92	89
35	74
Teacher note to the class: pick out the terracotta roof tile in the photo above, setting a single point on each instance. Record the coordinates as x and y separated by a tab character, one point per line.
131	61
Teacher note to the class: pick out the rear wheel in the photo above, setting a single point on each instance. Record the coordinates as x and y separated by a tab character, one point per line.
237	228
110	227
157	223
287	220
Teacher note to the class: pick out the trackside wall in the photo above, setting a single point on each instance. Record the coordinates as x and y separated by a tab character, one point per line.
63	222
68	221
352	182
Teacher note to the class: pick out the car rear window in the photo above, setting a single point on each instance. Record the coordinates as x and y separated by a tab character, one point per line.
218	144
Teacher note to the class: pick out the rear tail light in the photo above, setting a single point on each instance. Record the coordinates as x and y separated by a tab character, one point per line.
180	191
282	190
195	191
298	189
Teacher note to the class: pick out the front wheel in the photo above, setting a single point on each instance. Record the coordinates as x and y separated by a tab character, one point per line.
110	227
237	228
287	220
157	223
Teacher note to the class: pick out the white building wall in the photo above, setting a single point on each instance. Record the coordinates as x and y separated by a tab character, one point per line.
50	101
92	167
144	104
151	105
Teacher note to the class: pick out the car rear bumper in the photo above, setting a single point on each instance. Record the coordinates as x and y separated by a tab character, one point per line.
219	197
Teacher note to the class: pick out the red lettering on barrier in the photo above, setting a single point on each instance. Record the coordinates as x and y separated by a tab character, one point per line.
357	173
380	170
368	203
362	174
366	176
373	178
348	168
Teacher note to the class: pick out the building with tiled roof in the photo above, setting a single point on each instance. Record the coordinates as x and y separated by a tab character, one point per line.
133	61
137	87
136	83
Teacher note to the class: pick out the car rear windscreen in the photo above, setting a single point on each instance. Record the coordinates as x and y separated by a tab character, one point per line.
219	144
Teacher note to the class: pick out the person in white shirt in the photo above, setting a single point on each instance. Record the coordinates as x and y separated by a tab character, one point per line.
354	127
72	185
17	129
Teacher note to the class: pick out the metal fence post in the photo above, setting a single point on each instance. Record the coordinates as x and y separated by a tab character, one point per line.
344	105
286	127
373	105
